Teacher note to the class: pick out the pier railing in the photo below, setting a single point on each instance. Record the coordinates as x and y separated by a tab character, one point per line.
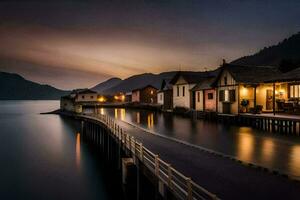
183	187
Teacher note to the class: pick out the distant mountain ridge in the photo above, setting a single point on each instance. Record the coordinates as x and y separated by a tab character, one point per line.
138	81
106	85
286	54
15	87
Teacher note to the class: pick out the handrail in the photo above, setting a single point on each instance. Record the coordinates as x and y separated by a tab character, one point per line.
183	187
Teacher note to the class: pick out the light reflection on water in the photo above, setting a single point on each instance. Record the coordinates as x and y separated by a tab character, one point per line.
247	144
245	147
295	160
78	150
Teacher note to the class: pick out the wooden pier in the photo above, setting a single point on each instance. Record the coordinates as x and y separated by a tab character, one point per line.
170	183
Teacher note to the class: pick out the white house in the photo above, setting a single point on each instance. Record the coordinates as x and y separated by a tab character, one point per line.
85	95
182	83
74	101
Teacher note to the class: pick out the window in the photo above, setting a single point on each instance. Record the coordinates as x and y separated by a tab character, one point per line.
151	91
210	95
231	95
294	91
92	97
226	95
183	91
198	96
221	95
82	96
160	96
178	91
225	80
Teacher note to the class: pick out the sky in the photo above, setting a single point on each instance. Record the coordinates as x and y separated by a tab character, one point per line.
76	44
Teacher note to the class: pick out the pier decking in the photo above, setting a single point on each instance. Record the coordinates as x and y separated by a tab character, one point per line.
226	178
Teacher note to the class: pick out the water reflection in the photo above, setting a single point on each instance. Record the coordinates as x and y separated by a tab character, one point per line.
120	113
78	150
150	120
268	150
102	111
295	160
245	147
138	117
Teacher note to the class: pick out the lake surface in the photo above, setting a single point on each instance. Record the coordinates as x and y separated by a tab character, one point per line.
43	157
267	149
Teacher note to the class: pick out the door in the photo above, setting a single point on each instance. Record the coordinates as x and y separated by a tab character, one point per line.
269	100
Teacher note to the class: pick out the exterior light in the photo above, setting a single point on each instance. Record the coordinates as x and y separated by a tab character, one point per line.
123	97
151	91
101	99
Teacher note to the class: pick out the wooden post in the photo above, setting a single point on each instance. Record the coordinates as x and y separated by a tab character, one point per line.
274	98
141	152
255	96
169	176
156	166
189	189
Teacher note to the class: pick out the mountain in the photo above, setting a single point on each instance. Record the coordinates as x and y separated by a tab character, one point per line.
137	81
15	87
106	85
285	54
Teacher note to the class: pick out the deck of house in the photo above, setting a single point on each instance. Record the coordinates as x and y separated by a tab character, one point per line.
276	115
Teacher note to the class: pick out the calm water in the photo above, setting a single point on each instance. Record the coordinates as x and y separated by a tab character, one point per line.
251	145
43	157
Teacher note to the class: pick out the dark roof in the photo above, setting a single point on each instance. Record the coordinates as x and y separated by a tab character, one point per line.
293	75
165	85
192	77
83	91
67	97
141	88
204	84
250	74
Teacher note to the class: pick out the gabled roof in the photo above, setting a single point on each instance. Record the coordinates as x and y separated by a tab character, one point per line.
191	77
204	84
249	74
141	88
293	75
165	85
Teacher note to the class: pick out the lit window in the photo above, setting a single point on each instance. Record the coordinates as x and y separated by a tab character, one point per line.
151	91
226	95
291	91
294	91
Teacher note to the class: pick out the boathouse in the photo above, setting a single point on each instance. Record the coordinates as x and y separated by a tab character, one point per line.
146	94
165	95
182	83
244	89
85	96
205	95
74	101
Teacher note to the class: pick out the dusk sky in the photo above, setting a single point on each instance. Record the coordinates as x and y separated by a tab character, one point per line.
71	44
